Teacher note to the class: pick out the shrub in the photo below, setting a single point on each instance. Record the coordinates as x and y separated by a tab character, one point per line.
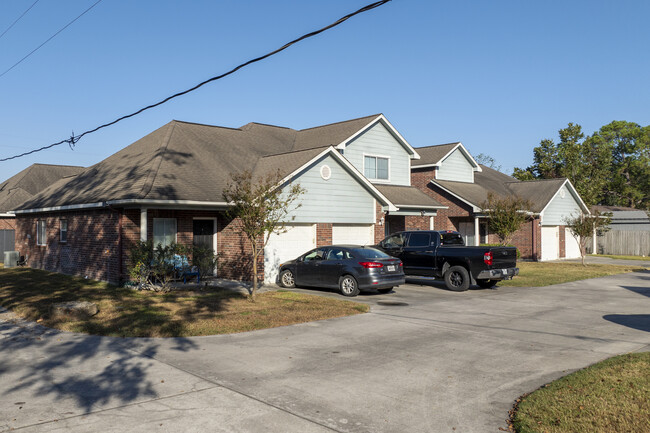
204	259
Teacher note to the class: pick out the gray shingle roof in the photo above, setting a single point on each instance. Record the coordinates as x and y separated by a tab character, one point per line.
430	155
538	192
408	196
189	161
32	180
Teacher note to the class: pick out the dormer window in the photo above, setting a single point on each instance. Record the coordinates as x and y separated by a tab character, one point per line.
375	167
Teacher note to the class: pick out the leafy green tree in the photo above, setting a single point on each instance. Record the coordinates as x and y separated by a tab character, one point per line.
610	167
584	226
263	206
505	215
630	174
584	161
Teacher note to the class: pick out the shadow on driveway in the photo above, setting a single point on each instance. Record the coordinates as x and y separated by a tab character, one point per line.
91	370
634	321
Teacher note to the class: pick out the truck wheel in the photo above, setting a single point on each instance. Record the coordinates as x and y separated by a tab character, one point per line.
486	284
457	279
348	286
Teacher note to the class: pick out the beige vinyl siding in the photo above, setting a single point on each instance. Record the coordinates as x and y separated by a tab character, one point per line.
340	199
456	167
560	208
378	141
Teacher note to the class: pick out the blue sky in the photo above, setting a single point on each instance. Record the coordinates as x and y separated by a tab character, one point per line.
498	76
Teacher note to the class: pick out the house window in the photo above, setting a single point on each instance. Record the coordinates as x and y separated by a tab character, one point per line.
164	231
375	167
40	232
63	231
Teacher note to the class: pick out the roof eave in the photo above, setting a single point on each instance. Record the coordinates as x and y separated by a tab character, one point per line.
474	207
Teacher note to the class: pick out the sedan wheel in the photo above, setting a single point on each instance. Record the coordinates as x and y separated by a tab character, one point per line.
348	286
287	279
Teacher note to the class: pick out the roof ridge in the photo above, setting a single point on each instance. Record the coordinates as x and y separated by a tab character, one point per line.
267	124
342	121
541	180
438	145
203	124
152	174
296	151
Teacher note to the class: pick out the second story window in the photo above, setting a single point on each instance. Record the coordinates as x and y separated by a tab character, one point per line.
375	167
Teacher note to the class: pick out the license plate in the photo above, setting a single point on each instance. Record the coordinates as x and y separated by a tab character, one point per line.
391	268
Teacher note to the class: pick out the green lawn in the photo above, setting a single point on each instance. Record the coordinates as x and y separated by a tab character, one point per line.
125	312
647	259
536	274
609	397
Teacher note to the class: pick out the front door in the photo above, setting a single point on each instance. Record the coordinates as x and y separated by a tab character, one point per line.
204	237
204	233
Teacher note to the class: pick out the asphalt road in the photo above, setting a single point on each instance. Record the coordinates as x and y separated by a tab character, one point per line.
423	360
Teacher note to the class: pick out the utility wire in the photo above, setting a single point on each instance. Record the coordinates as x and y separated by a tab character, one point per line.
75	138
49	39
18	19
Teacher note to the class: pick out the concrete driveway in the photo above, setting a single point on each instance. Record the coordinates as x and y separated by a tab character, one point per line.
444	362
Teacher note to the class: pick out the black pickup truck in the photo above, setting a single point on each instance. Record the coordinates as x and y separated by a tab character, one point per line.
443	254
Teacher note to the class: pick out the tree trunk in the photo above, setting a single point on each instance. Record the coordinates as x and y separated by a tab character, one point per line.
254	289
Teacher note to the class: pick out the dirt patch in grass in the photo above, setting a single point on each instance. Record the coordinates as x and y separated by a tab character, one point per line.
537	274
609	397
128	313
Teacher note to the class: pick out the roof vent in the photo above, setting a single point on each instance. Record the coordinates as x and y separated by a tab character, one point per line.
325	172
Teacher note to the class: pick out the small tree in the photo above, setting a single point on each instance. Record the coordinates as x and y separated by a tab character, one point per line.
263	207
505	215
586	226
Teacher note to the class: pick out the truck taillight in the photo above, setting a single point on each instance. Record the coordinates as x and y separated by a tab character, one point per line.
487	258
368	265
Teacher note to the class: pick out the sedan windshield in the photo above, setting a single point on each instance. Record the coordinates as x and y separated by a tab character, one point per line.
369	253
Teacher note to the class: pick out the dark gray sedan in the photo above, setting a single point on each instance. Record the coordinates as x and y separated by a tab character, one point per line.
348	268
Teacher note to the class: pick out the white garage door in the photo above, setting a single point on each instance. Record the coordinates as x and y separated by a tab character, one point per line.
550	243
287	246
571	245
356	234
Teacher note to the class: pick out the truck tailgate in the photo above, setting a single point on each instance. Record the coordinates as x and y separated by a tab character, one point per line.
503	257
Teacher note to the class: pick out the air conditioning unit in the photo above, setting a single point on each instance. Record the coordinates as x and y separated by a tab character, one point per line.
11	259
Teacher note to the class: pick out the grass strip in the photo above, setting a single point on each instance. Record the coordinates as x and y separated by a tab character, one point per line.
611	256
609	397
125	312
538	274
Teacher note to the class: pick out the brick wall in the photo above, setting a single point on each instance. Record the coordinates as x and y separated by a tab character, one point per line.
7	223
562	242
380	228
323	234
91	249
449	219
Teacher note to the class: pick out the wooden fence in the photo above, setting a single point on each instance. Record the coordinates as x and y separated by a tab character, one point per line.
629	243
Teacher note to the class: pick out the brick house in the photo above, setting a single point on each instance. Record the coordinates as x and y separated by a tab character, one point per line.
451	176
168	187
21	187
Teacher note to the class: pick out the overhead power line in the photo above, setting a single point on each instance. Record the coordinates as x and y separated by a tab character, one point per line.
75	138
49	39
18	19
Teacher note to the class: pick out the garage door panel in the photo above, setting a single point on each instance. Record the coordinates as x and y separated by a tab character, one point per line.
550	243
572	246
355	234
298	239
